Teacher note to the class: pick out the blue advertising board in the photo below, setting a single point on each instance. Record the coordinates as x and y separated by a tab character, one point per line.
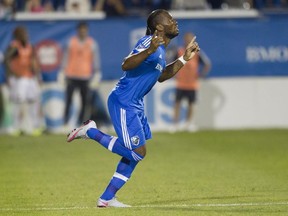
236	47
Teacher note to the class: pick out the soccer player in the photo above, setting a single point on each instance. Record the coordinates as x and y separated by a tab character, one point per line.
23	81
81	63
187	84
143	67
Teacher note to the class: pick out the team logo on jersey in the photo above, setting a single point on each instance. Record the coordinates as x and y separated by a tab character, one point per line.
140	47
159	67
135	140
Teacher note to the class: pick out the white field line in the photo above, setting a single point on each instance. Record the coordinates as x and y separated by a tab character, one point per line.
147	206
213	205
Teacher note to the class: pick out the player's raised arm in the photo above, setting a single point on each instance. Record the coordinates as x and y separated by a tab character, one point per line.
134	60
172	68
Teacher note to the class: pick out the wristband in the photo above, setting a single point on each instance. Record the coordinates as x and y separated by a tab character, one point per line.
181	59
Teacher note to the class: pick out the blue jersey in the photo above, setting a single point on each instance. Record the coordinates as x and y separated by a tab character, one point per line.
136	83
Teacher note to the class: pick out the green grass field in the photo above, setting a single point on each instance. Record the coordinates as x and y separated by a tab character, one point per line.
205	173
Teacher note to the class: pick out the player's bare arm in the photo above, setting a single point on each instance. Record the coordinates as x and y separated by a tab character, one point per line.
35	66
132	61
172	68
10	53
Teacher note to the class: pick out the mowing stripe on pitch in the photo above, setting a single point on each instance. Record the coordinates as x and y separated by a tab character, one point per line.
147	206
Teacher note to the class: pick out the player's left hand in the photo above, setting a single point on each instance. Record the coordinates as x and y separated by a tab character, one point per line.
191	49
156	41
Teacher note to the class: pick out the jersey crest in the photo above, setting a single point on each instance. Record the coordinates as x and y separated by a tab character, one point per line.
159	67
135	140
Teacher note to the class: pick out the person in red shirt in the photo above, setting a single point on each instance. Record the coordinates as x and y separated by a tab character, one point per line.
81	63
23	80
187	83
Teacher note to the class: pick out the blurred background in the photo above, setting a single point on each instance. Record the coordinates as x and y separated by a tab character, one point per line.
245	40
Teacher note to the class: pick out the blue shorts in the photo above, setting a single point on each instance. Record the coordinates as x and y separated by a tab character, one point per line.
131	125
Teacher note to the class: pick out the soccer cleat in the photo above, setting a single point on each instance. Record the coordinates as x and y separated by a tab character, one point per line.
81	131
111	203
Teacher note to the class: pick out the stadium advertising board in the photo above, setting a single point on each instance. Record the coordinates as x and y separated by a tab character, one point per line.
238	48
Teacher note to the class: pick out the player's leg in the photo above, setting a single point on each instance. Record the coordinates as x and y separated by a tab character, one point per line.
113	144
70	86
139	131
178	98
121	145
84	93
189	113
176	114
176	111
191	97
89	130
121	176
17	114
17	101
34	109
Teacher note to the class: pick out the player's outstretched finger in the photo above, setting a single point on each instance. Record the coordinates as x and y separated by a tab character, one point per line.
155	34
192	41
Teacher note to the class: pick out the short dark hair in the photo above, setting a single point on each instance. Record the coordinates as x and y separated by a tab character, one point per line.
153	20
82	24
17	31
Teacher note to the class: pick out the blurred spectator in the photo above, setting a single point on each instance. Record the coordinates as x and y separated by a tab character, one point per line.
81	62
53	5
215	4
79	6
260	4
112	8
187	84
20	5
189	4
7	9
34	6
23	81
241	4
116	8
164	4
58	5
136	7
48	6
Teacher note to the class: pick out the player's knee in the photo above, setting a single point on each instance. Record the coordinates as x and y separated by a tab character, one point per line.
141	151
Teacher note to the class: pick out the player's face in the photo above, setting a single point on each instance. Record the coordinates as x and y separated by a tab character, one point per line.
83	32
23	36
170	26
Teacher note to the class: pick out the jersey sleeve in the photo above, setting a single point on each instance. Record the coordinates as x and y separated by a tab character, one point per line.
142	45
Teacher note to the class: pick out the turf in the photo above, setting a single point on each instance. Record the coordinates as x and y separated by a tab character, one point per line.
205	173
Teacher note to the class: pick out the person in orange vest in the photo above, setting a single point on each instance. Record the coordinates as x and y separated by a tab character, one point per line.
23	80
187	83
80	62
